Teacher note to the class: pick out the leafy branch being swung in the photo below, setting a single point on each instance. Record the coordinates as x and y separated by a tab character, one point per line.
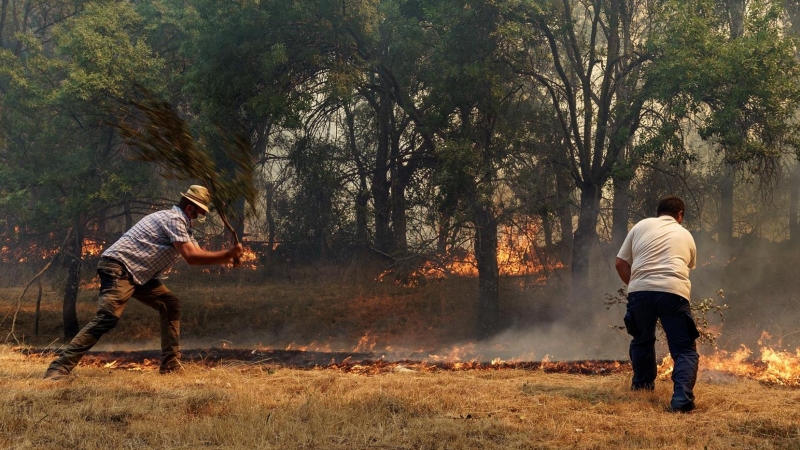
158	135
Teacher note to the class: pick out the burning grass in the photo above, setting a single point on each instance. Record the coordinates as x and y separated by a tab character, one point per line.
346	362
262	406
774	368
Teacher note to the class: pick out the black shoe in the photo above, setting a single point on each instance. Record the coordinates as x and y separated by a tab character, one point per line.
643	387
681	409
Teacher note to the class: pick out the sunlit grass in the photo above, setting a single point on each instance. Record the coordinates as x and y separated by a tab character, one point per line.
265	407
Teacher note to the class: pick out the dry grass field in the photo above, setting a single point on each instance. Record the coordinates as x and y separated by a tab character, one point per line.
264	405
258	406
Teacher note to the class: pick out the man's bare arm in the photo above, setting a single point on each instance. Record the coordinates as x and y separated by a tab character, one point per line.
195	255
624	270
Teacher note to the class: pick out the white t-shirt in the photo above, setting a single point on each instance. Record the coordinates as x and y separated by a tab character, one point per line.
660	252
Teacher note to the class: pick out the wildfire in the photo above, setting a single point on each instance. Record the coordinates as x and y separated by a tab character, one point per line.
249	259
456	354
365	344
24	255
772	366
363	363
90	285
93	248
312	347
35	252
518	254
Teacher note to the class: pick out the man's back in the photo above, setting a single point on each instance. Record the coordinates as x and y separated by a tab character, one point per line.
660	252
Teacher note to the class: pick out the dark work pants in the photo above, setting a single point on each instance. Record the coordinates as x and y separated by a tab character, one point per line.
644	308
116	287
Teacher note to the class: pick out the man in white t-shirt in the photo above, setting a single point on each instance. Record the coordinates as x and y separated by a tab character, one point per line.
654	262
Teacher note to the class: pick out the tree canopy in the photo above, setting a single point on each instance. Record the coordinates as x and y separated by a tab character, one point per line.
419	130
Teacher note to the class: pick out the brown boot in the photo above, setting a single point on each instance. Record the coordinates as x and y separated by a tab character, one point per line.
56	375
174	367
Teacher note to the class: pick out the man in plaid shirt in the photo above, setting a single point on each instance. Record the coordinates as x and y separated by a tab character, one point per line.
130	268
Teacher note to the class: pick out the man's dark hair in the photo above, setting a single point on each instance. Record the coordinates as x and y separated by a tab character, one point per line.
671	206
184	203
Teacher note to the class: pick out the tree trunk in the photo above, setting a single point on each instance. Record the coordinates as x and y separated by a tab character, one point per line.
362	208
102	226
23	25
380	182
794	199
74	262
442	233
399	223
488	272
362	196
270	213
239	208
398	191
3	12
585	236
736	14
564	208
547	229
319	232
621	211
38	311
549	249
725	219
128	216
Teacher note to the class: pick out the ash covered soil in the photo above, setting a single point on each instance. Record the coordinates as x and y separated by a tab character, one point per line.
350	362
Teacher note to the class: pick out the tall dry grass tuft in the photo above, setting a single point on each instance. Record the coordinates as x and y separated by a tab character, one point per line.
246	407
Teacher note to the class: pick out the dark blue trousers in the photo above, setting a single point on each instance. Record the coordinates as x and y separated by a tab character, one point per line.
644	308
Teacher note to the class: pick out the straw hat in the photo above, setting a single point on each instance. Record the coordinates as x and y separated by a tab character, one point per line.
199	196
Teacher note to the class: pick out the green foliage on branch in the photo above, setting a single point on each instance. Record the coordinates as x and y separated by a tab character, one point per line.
161	137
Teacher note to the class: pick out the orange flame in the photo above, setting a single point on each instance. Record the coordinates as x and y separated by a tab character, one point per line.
249	259
517	255
312	347
24	255
93	248
365	344
456	354
772	366
90	285
35	252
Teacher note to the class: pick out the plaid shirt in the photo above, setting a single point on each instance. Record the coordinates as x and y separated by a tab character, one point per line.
146	249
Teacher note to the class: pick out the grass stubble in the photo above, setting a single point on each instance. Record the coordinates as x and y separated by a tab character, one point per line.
258	406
